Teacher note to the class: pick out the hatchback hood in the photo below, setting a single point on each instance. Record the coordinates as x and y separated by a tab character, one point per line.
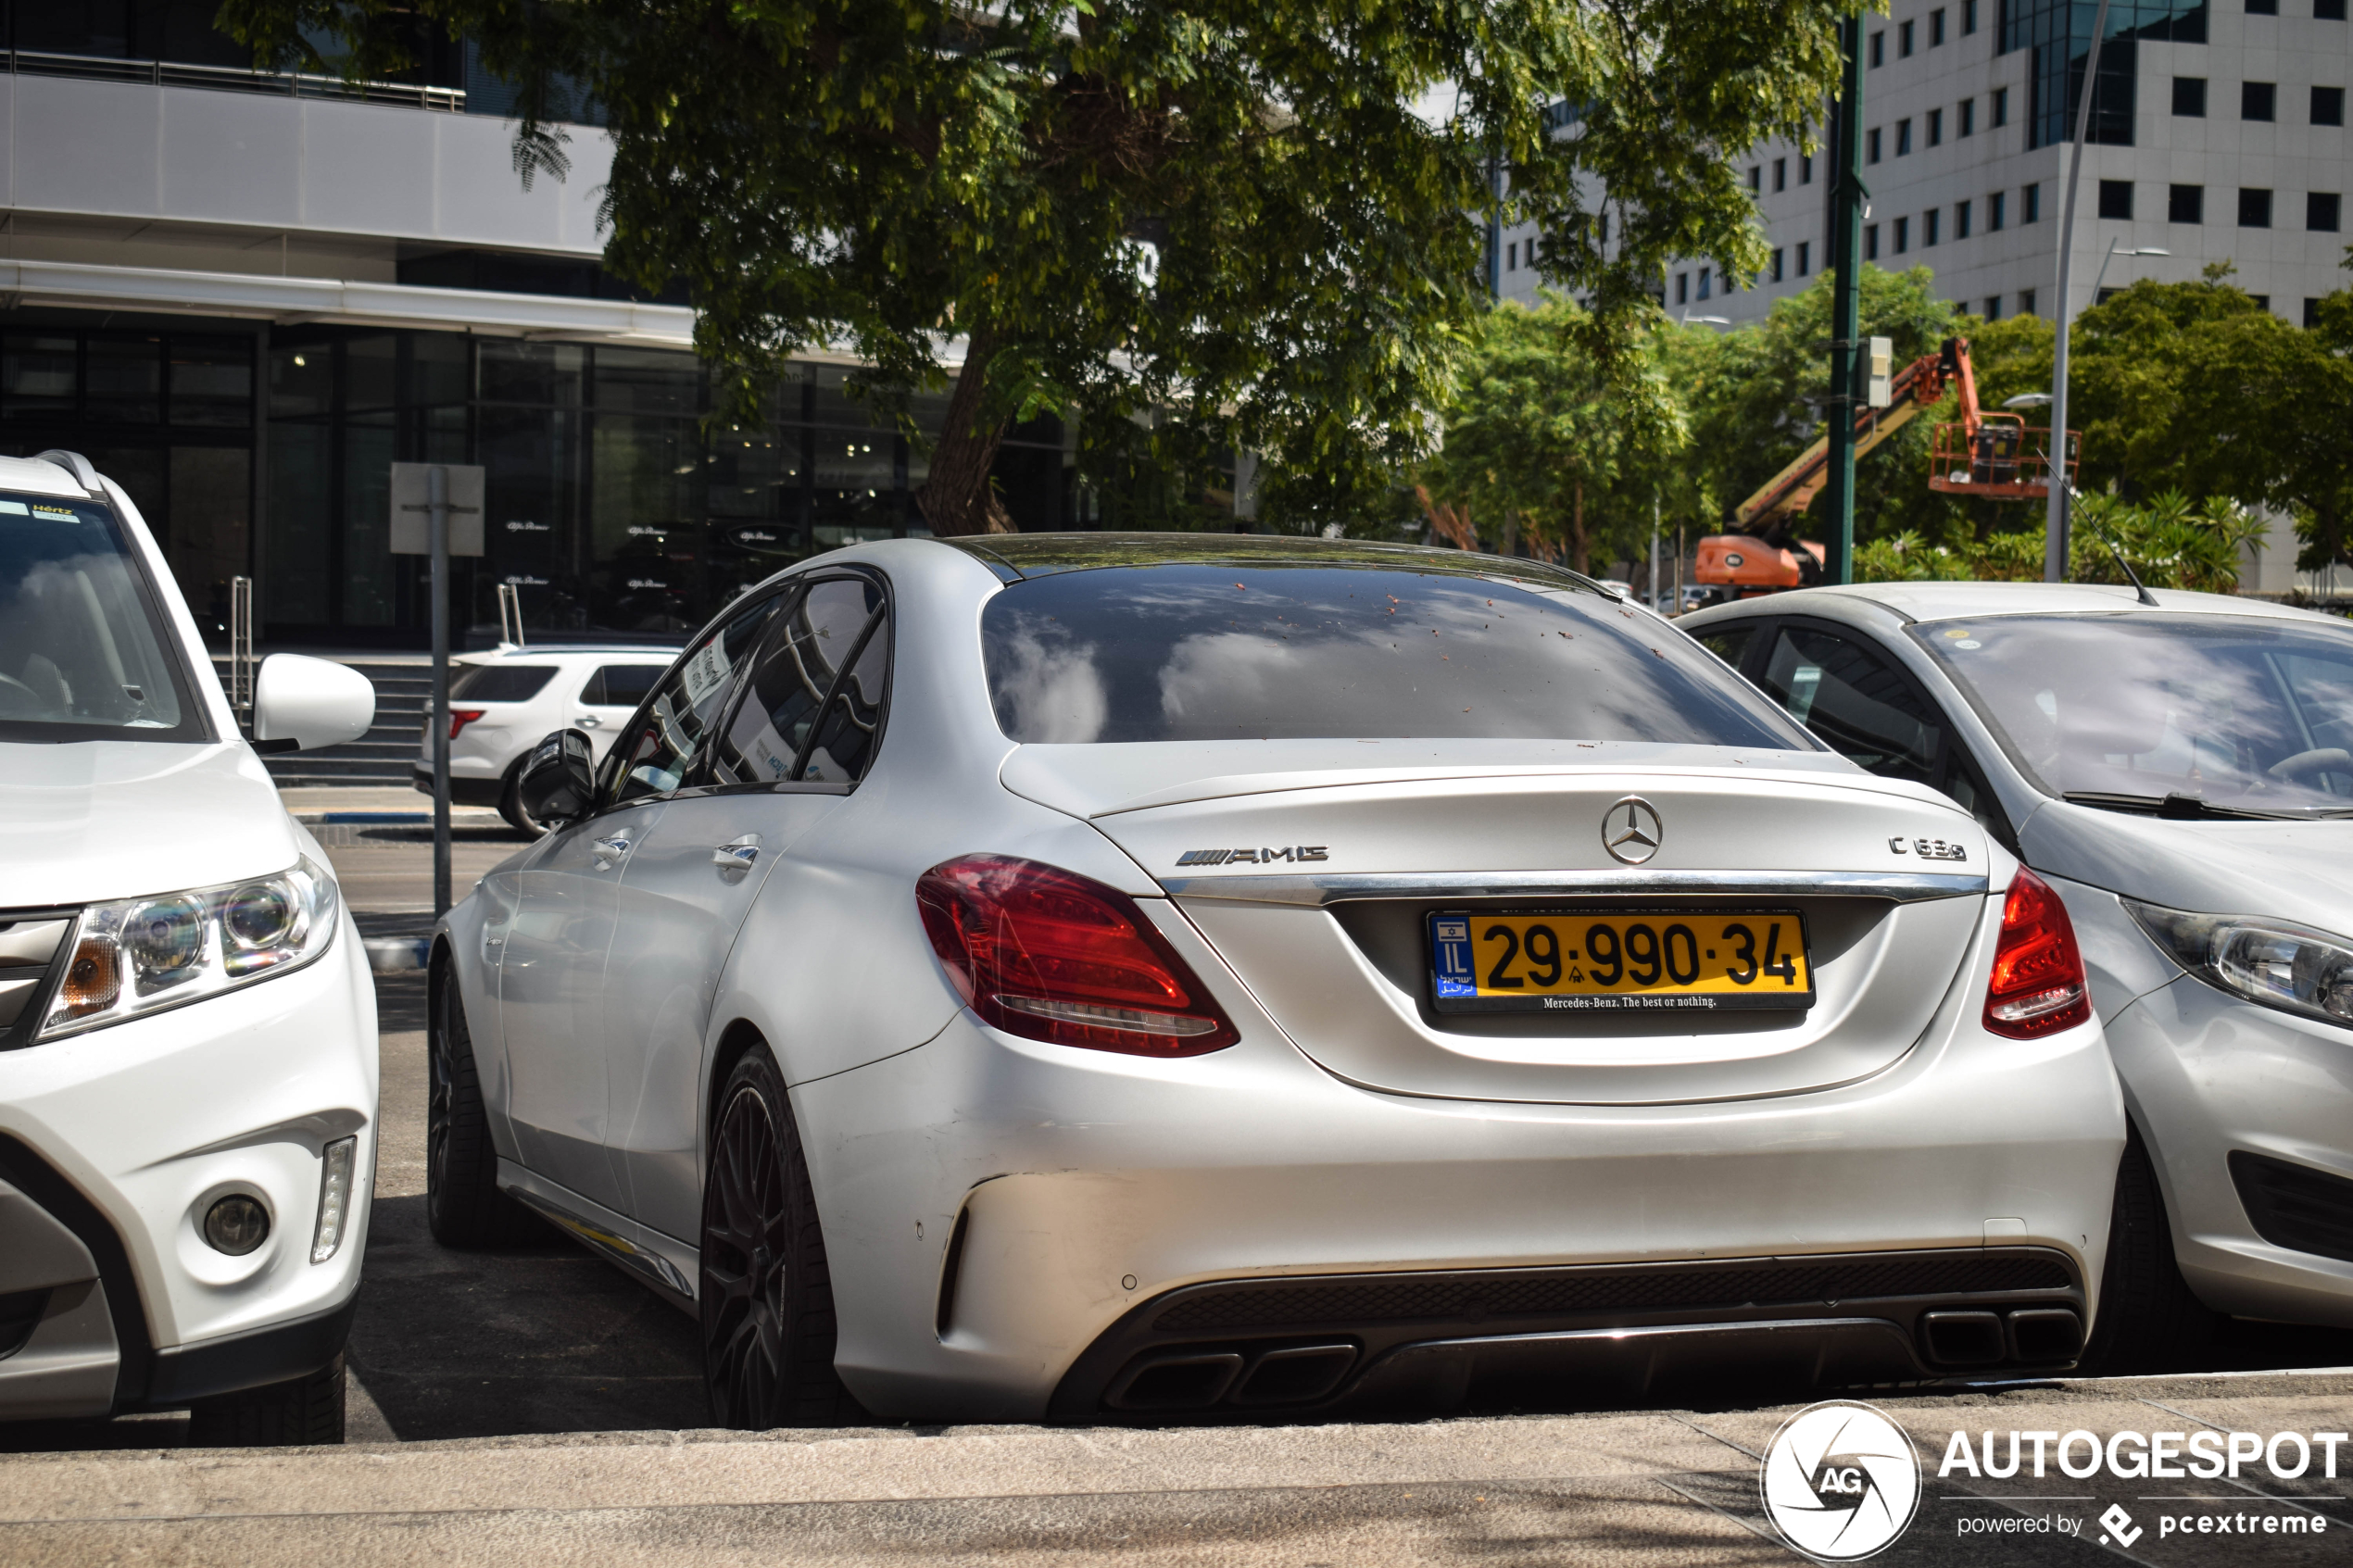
100	820
2289	871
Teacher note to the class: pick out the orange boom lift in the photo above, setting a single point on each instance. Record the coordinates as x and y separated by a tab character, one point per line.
1996	455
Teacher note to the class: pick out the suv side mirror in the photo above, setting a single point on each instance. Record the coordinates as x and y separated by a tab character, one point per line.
559	781
300	704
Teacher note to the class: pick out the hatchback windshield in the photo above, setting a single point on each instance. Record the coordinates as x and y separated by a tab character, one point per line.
83	651
2246	714
1190	651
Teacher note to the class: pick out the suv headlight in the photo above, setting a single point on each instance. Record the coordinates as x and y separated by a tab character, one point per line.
139	955
2275	962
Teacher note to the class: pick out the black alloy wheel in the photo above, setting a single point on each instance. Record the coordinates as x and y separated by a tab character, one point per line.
463	1204
766	1298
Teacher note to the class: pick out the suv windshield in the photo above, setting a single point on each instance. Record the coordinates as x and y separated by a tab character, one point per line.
2248	715
1189	651
83	644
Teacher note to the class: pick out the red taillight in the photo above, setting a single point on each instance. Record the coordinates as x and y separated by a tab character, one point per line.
1051	955
460	716
2038	985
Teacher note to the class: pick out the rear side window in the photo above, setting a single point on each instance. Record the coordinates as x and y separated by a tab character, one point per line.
1727	646
501	683
619	686
1192	652
672	735
813	706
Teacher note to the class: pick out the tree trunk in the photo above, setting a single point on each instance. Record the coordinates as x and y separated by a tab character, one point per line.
958	498
1577	548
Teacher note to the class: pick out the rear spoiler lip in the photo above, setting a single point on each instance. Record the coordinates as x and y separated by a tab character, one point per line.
1317	891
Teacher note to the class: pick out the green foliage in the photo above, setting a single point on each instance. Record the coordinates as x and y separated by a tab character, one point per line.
2169	542
1543	434
1265	219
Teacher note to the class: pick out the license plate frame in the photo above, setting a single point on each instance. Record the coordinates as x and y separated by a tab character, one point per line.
1454	961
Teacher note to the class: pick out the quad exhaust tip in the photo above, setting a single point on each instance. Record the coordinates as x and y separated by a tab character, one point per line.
1170	1381
2032	1335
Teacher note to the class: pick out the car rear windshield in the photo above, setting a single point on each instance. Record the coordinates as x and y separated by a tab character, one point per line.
85	653
2245	713
1203	651
501	683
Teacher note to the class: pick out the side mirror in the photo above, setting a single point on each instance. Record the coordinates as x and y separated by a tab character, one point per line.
301	704
559	781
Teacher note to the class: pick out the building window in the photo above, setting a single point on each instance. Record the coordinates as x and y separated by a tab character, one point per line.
2312	312
1936	27
1870	242
1935	128
1931	222
1968	117
1903	235
2001	107
1879	50
2185	203
2262	301
1994	308
1756	180
1777	265
1997	211
1961	213
1510	257
1903	40
1805	168
1870	146
1969	17
2262	7
2026	302
2258	100
1903	138
2321	211
1682	288
2255	209
2189	96
1780	175
2328	10
2116	199
2328	106
2032	203
1704	282
1805	258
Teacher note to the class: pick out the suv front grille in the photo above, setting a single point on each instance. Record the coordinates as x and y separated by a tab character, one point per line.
30	944
2296	1206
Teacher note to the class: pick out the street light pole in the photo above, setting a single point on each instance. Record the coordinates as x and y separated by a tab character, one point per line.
2055	540
438	541
1846	349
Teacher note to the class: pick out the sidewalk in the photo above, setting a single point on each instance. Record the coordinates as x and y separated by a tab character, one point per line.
357	803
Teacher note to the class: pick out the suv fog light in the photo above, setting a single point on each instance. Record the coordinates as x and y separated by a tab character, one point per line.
335	1197
236	1224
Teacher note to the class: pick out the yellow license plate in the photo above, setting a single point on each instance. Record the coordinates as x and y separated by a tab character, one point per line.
1571	961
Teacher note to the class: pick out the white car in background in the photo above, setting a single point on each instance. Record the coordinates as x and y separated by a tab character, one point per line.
502	703
187	1021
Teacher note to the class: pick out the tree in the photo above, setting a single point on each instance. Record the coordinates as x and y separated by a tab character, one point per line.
1542	434
2169	542
1263	220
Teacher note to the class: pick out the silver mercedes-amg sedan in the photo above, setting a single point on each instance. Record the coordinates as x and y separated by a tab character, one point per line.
1099	977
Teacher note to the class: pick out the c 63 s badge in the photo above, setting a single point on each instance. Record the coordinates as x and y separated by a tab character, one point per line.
1252	857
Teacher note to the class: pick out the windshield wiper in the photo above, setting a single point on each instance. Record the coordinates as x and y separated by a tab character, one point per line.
2179	808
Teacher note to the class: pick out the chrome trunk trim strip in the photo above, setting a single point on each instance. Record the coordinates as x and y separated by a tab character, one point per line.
1902	887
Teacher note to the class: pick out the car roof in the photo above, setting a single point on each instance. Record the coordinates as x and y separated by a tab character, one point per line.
1017	556
568	650
40	476
1947	601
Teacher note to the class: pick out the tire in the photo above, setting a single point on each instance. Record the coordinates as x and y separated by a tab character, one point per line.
464	1208
511	803
2150	1320
300	1411
767	1300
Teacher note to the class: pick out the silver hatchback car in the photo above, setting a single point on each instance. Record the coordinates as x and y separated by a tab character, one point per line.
1100	977
2180	769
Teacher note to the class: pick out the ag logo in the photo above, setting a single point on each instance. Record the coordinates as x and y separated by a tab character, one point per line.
1631	831
1841	1481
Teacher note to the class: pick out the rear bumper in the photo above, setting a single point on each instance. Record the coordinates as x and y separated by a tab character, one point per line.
1082	1189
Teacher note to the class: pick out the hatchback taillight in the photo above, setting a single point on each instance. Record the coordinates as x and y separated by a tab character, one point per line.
460	716
2038	986
1051	955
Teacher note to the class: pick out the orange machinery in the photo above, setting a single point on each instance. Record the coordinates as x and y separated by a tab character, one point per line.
1994	454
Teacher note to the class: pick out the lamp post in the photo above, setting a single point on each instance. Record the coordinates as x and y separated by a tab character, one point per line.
2054	513
1847	390
2112	254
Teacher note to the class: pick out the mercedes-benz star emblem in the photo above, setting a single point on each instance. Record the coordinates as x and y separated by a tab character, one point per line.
1631	831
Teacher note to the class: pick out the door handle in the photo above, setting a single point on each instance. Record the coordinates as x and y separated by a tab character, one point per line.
587	720
739	853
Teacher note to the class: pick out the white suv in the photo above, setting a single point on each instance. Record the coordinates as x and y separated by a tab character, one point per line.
187	1023
502	704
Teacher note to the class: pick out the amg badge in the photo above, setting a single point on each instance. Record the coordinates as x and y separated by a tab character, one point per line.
1250	857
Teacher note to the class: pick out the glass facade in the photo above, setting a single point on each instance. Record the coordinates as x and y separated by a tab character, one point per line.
2059	33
